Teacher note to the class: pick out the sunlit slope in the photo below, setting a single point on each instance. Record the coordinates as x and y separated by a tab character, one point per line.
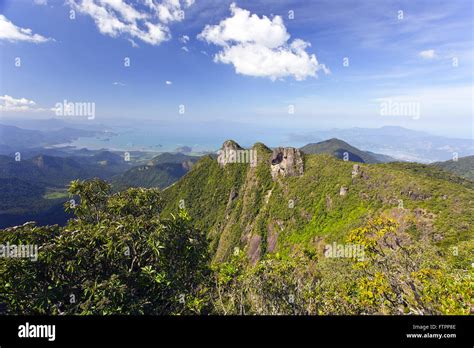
243	206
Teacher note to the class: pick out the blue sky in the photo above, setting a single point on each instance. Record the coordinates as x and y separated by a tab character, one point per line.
246	68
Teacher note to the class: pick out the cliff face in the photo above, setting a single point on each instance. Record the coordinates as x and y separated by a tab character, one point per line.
287	161
284	161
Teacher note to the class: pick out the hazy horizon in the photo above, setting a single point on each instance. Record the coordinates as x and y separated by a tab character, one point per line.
333	64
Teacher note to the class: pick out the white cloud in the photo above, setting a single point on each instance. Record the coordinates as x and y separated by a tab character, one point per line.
168	82
259	47
117	83
117	17
10	32
184	48
8	103
41	2
184	39
134	44
428	54
168	10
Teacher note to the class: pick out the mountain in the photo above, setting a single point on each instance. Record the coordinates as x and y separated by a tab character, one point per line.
168	157
45	170
59	171
160	175
18	138
463	167
54	124
397	142
22	201
34	189
290	200
161	171
340	149
263	231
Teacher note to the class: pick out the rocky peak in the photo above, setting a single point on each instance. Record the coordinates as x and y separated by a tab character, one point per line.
355	170
227	152
231	152
343	191
287	161
230	144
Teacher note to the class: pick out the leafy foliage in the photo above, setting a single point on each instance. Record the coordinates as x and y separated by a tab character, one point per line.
397	276
138	251
117	257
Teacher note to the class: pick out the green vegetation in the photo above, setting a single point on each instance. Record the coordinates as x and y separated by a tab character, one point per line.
463	167
160	175
340	149
56	194
234	240
118	256
238	204
397	276
34	188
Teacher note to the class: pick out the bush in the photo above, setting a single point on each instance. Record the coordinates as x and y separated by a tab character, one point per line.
118	256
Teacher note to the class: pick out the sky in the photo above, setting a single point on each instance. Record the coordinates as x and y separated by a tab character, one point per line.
276	65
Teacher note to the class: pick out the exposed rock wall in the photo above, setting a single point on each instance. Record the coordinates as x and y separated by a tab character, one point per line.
287	161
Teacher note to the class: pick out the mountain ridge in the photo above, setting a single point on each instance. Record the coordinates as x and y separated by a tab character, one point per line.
243	206
343	150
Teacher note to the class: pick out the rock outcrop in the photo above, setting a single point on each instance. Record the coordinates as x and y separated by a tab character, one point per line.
227	152
355	170
231	152
287	161
343	191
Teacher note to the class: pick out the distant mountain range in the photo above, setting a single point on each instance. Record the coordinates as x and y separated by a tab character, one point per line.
13	139
397	142
161	171
34	188
343	150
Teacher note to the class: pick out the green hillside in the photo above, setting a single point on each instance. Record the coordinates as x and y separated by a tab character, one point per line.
161	171
243	207
161	175
34	189
167	157
463	167
288	233
340	149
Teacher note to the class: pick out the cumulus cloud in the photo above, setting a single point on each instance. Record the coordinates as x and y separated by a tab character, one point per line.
428	54
10	32
8	103
260	47
41	2
147	23
168	83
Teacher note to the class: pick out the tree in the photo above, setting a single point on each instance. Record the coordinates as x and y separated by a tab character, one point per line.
118	256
